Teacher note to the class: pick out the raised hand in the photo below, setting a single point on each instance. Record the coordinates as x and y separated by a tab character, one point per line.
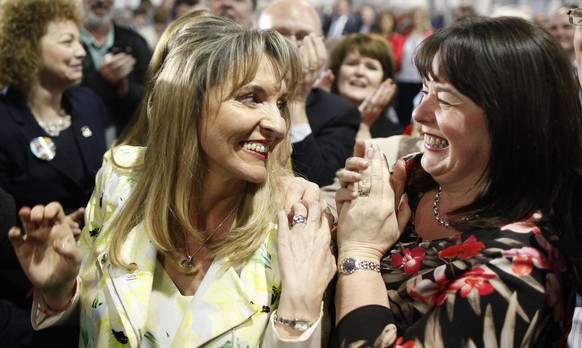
48	252
373	106
367	226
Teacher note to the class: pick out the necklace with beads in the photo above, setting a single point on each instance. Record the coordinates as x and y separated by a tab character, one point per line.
188	261
54	128
435	209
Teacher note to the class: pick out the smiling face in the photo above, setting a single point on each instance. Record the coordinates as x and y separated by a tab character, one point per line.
359	77
62	54
456	135
239	133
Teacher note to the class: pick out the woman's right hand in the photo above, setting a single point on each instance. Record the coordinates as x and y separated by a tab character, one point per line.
47	252
375	103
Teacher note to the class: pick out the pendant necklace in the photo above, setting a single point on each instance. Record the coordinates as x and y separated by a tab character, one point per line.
188	262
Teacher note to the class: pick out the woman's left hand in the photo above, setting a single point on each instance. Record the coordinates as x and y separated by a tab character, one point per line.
368	225
375	103
305	260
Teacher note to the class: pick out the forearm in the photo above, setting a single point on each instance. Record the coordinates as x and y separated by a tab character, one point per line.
359	289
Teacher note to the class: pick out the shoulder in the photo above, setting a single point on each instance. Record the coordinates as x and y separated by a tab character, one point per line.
123	157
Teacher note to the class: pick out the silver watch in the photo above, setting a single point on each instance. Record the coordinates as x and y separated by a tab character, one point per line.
349	266
296	324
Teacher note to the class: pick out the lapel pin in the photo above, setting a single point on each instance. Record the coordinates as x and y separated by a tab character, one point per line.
43	148
86	131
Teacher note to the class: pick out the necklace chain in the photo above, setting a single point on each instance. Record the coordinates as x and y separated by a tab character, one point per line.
54	128
188	262
435	209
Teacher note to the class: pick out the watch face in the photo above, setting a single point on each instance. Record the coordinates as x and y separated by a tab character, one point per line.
349	266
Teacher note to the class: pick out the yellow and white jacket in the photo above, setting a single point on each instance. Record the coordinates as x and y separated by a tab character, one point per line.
231	308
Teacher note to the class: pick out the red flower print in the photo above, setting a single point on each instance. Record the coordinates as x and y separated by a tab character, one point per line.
410	261
463	251
435	291
401	344
476	279
524	260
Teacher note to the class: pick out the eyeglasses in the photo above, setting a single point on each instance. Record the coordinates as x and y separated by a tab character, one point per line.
575	16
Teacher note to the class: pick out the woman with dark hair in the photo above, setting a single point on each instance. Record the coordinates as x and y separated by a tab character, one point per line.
363	70
463	245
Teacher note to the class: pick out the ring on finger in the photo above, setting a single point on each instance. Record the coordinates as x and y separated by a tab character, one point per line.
363	192
299	219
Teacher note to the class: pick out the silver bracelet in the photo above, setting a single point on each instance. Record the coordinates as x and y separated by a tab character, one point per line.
300	325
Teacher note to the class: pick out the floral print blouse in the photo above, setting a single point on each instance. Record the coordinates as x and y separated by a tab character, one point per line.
500	287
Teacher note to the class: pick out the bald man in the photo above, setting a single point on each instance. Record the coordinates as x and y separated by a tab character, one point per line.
323	125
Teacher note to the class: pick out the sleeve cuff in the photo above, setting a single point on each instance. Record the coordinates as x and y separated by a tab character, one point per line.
308	339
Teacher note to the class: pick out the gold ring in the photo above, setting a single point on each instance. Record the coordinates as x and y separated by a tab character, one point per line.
363	193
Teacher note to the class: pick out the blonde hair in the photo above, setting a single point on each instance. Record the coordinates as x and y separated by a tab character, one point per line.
23	23
205	54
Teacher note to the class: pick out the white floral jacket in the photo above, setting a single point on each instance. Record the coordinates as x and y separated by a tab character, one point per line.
232	308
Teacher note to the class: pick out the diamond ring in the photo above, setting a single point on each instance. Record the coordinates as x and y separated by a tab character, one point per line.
299	219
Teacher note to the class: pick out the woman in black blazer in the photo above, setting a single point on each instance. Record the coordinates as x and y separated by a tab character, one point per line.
52	138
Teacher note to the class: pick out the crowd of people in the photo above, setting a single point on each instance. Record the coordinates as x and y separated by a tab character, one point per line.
208	173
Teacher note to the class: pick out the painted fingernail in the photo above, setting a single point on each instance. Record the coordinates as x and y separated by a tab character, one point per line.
370	152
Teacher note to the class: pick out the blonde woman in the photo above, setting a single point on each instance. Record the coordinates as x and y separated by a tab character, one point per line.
200	253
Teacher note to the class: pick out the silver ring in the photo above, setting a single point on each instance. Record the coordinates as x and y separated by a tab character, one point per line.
363	193
299	219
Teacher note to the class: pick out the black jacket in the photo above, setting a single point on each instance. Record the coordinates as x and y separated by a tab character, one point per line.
121	109
334	123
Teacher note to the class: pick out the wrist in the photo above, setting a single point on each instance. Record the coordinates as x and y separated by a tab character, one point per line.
362	253
59	298
60	303
295	323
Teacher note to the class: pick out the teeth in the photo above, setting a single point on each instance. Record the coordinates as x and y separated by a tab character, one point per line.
436	142
260	148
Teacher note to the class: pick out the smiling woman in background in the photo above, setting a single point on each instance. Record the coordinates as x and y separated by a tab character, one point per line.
363	67
52	130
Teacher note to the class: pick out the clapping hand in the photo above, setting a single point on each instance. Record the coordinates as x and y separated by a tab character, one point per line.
369	222
47	252
375	103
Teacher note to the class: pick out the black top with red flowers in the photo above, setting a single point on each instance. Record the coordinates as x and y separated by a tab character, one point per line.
505	286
